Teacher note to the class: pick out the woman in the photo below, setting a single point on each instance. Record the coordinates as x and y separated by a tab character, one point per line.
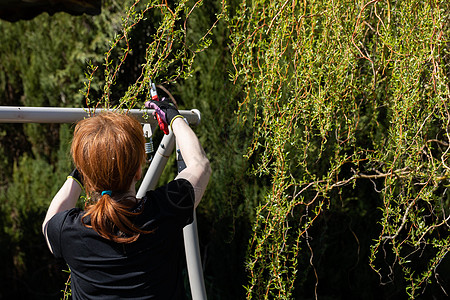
121	247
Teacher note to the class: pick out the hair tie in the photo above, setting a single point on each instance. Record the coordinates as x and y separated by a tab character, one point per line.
107	192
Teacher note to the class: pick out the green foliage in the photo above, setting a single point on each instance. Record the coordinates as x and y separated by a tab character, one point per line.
43	62
168	48
22	206
339	92
49	54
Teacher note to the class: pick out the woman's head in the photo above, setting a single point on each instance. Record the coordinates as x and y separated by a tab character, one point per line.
108	151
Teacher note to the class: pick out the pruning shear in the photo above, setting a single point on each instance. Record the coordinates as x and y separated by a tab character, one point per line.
163	126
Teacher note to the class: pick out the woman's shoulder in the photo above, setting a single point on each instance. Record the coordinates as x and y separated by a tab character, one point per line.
66	218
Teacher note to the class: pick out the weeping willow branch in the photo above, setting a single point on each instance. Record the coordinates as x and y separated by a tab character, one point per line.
169	54
331	87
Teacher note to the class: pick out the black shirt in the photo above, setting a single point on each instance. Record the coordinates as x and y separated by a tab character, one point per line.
149	268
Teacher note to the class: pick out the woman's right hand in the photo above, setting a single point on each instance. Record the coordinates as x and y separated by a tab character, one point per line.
165	109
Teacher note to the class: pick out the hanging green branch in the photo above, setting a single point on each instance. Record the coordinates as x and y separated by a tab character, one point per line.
331	87
169	55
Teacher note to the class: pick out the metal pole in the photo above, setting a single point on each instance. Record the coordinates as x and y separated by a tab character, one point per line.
25	114
192	250
193	260
157	165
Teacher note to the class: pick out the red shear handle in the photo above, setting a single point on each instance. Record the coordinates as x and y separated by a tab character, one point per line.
163	126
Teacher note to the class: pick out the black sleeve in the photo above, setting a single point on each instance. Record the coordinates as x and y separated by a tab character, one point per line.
180	193
54	228
176	198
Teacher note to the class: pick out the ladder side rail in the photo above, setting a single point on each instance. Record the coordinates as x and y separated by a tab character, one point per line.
157	165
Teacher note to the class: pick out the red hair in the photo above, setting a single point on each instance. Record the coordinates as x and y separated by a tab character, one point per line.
108	151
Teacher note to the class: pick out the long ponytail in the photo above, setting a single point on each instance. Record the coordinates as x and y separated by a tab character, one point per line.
110	219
